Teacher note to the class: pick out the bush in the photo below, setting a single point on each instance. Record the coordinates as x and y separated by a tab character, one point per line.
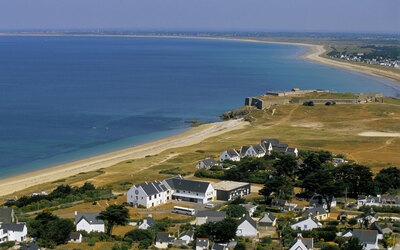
92	242
308	103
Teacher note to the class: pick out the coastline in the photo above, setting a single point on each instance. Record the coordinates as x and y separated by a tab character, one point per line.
192	136
313	53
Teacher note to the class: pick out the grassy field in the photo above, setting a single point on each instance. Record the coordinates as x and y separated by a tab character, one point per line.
333	128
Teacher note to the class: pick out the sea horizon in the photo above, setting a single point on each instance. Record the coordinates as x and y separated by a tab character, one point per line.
92	92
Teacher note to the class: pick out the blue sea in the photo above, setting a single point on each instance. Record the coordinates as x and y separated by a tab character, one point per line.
67	98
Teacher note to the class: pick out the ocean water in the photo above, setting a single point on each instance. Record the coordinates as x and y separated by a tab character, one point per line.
67	98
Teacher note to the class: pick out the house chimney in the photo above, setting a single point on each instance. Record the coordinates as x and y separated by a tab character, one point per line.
244	215
150	215
76	213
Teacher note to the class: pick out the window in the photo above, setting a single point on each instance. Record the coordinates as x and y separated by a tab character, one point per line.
305	226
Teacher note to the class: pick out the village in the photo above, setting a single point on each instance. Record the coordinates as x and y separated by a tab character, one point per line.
222	209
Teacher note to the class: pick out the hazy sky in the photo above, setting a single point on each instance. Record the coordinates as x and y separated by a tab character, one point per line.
241	15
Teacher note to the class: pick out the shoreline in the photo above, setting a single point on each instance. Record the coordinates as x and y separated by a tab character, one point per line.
194	135
313	53
20	182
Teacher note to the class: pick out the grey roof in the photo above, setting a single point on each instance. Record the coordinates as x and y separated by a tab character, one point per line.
178	183
89	217
232	153
249	219
13	227
187	232
211	214
308	242
316	211
74	236
267	218
279	148
217	246
5	214
259	149
318	200
150	221
279	203
30	246
202	242
272	141
366	236
376	227
248	206
390	200
152	187
291	150
164	237
243	150
210	162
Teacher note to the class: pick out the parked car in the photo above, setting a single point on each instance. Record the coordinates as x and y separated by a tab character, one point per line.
209	206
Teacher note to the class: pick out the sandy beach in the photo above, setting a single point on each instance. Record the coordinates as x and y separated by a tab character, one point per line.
190	137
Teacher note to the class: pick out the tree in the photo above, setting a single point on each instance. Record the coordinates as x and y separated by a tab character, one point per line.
353	244
162	225
49	229
114	215
278	187
352	222
386	179
225	230
287	165
356	178
240	246
137	235
206	230
322	182
235	210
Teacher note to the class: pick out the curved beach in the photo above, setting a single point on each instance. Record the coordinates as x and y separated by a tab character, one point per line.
190	137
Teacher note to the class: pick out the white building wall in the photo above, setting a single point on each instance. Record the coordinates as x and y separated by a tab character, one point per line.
17	235
84	225
246	230
225	156
305	225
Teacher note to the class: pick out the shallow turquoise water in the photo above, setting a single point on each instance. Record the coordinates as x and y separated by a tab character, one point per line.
55	90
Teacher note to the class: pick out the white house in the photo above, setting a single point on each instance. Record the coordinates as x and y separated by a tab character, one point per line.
15	232
250	208
3	235
148	222
187	236
148	194
190	190
368	238
301	243
202	243
267	220
306	224
318	201
230	155
88	222
203	217
163	239
247	227
252	151
75	238
293	151
207	164
378	200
